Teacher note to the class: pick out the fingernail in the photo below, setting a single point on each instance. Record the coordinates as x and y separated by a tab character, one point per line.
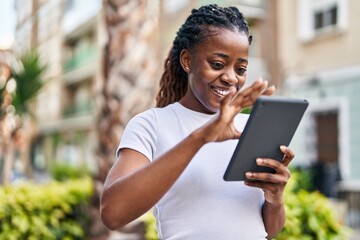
248	174
259	160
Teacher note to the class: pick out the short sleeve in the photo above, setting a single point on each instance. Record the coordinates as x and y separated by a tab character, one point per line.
140	134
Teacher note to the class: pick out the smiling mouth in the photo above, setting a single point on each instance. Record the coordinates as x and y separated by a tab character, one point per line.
220	91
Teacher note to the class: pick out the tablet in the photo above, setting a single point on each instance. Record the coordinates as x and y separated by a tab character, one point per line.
272	123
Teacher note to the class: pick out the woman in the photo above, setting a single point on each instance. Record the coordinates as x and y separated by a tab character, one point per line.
172	158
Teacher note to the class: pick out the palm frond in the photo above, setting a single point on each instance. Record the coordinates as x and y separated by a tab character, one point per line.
28	81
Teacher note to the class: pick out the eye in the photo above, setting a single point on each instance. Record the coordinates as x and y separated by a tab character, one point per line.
217	65
241	71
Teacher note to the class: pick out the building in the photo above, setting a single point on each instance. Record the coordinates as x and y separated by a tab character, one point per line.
320	61
69	40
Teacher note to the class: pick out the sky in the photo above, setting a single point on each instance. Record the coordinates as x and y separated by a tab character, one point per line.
7	23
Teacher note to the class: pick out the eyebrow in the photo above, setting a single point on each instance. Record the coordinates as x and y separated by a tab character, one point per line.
223	55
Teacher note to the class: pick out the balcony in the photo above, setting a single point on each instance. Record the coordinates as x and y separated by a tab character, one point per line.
81	58
82	65
78	109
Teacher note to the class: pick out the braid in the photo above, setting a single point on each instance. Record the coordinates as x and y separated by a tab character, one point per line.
170	90
173	82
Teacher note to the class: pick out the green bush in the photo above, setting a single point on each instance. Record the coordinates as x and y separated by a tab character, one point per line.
63	171
309	215
56	210
150	225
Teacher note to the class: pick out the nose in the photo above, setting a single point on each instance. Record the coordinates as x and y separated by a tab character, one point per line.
229	78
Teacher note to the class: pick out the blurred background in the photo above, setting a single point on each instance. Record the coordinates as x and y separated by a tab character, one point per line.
73	72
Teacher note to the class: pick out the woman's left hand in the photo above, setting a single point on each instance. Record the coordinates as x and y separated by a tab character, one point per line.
273	184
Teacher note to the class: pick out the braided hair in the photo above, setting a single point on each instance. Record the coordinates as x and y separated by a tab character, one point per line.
195	30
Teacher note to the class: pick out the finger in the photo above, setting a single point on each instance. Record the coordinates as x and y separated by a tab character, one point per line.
264	177
274	164
288	155
248	96
263	185
250	101
252	96
239	98
269	91
255	85
266	91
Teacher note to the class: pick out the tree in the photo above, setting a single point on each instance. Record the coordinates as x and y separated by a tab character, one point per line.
130	69
26	83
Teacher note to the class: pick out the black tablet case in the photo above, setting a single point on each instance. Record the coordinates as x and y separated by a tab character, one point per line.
272	123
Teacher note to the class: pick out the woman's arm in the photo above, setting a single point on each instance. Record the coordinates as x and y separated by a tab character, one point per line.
134	185
273	217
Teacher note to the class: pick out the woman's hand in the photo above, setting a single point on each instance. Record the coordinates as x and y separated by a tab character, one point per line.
273	184
222	127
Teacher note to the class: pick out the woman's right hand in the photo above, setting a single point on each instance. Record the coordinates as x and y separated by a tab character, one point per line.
222	127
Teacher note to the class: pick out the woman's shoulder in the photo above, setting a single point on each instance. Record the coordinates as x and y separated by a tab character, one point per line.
154	114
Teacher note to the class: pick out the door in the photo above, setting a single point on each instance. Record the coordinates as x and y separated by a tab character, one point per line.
326	169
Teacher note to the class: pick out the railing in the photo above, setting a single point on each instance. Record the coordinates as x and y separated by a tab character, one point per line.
80	59
77	109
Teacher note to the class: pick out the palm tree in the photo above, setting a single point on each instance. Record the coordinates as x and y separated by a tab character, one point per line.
130	70
27	82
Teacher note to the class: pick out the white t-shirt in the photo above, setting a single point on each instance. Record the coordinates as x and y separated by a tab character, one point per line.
200	204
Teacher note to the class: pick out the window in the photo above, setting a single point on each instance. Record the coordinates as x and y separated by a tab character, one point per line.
321	16
326	17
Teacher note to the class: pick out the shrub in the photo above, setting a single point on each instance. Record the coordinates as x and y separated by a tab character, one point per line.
309	215
63	171
150	226
56	210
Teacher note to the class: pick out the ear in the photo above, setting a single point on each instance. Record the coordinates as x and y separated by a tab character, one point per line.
185	60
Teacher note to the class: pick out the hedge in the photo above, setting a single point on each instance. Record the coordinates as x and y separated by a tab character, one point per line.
56	210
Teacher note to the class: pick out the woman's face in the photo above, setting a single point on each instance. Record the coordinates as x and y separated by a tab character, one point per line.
216	68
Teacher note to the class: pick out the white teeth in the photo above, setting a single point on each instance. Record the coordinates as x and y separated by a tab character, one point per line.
221	92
